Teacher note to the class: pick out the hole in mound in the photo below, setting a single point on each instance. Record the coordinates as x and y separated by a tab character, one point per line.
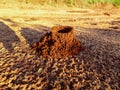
65	30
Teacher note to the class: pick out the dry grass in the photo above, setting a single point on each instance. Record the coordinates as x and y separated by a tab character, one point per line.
63	3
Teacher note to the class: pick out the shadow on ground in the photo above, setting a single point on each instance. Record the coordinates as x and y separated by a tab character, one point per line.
101	35
33	35
7	36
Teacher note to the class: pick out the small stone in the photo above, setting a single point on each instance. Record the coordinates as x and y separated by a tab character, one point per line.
40	70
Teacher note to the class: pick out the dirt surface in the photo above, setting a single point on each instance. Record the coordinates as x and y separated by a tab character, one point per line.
95	68
60	42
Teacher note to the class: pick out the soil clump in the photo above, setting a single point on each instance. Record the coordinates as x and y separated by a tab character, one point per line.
58	43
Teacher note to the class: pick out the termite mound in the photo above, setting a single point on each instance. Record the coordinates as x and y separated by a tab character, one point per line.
58	43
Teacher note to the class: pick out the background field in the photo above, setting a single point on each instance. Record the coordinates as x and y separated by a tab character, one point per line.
69	3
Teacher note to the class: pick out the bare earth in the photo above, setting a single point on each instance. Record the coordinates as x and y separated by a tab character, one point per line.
96	68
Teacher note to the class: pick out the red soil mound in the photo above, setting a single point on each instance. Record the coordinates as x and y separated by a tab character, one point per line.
58	43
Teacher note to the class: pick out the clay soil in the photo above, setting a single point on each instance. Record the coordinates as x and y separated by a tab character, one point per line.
95	68
60	42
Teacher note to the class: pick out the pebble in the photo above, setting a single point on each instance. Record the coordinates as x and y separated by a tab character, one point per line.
40	70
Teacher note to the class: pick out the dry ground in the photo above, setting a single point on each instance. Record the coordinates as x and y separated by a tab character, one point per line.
96	68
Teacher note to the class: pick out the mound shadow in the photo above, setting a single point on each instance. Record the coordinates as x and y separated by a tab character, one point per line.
32	35
8	36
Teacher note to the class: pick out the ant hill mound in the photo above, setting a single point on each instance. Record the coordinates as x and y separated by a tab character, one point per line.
58	43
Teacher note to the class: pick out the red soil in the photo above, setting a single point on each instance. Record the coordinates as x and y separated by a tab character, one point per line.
58	43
